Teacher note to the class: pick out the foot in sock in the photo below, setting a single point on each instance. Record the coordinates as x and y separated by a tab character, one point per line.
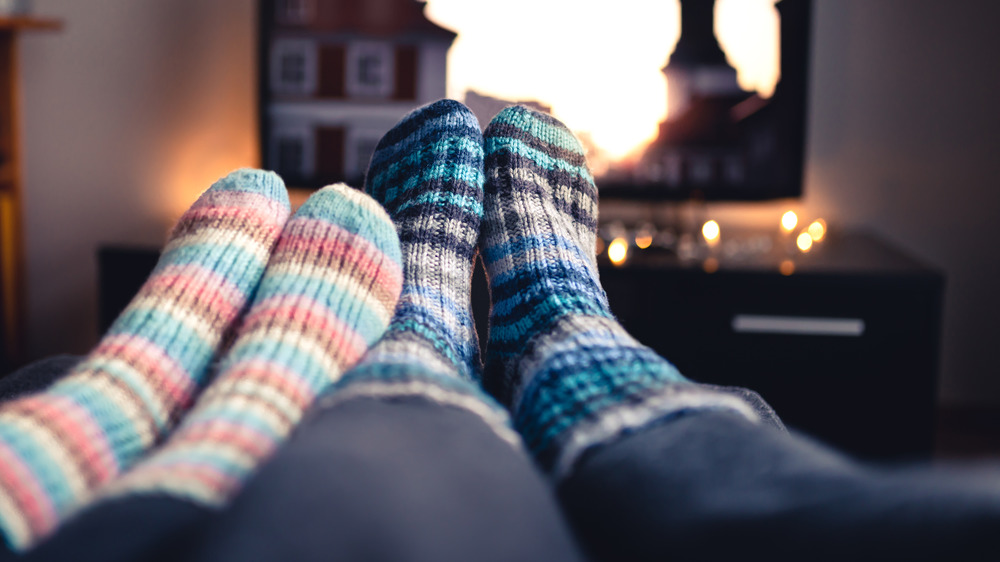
58	446
427	172
570	373
328	293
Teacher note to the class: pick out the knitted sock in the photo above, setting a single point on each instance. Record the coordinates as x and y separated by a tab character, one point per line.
328	293
56	447
571	375
427	172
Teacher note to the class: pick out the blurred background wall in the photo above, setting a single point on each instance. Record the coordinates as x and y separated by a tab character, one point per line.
138	105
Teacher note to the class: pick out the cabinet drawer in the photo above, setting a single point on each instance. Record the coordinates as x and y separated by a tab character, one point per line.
850	359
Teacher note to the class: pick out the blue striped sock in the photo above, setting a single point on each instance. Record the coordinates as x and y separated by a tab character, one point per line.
428	173
570	373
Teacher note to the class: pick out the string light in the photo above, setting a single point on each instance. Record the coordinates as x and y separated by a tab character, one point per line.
804	242
817	230
789	220
618	251
710	230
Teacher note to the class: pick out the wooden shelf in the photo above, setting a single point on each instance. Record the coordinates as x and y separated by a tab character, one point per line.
29	23
12	283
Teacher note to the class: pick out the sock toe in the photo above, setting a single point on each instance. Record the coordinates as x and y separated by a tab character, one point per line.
436	144
355	212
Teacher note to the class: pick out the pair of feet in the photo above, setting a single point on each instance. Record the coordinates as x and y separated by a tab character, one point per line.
521	195
285	306
303	299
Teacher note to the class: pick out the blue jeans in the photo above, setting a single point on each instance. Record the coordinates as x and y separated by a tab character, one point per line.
410	480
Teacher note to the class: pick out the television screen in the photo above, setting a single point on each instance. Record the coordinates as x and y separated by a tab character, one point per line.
721	140
337	74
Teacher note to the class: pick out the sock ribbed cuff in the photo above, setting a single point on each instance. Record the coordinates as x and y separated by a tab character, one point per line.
406	378
588	382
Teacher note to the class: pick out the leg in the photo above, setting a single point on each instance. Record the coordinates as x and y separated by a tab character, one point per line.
712	486
393	480
408	459
570	373
648	465
328	293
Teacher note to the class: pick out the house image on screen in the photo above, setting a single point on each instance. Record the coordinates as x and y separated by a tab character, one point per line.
699	144
339	74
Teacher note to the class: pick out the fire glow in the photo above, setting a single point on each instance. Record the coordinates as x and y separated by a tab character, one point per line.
625	42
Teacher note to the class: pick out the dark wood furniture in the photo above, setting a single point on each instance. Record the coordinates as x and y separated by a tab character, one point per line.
11	236
845	348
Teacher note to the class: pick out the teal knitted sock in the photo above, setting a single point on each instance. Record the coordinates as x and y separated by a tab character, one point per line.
571	374
427	172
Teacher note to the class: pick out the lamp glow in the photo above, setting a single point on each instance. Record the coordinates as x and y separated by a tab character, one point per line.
817	230
618	251
787	267
789	220
710	230
804	241
643	240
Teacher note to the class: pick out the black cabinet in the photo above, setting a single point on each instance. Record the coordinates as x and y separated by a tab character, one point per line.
844	348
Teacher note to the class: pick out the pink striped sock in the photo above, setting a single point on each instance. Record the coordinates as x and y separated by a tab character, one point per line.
58	446
328	293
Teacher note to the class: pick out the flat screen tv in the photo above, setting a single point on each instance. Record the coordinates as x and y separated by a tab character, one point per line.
720	142
336	74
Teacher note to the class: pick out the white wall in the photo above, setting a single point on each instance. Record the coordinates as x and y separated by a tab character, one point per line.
905	142
140	104
128	114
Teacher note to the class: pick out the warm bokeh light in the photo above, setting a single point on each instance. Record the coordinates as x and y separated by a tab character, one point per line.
618	251
786	267
710	265
710	230
804	241
789	220
817	230
599	246
596	63
643	240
